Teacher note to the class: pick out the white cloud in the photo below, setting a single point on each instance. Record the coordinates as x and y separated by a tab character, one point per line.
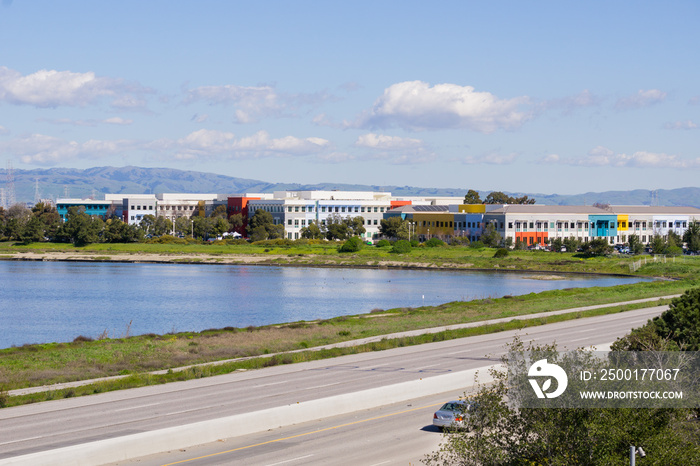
491	158
643	98
415	105
4	130
212	143
336	157
603	157
39	149
569	104
51	88
681	125
550	158
395	149
68	121
254	102
384	142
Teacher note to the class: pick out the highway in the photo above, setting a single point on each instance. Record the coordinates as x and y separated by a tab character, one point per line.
62	423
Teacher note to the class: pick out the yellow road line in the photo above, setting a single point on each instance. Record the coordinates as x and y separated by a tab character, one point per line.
304	434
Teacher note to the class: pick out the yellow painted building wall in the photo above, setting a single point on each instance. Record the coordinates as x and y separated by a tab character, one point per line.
472	208
441	224
623	222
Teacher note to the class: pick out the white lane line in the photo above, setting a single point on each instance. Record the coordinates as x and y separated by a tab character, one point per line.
136	407
322	386
588	330
20	440
432	365
383	462
459	352
580	339
377	365
290	460
271	383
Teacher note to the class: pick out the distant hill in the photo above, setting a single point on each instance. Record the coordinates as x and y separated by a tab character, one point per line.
68	182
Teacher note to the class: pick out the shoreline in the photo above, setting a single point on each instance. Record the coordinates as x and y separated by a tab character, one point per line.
276	260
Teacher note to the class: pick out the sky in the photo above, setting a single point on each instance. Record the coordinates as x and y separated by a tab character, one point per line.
540	97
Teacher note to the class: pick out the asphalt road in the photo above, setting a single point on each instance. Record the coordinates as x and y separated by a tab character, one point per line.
60	423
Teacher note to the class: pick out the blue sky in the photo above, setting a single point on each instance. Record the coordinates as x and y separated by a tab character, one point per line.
547	96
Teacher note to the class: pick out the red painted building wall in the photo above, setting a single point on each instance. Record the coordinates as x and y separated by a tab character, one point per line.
239	205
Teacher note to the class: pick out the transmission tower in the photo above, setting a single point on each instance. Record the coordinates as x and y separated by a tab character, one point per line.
37	195
10	184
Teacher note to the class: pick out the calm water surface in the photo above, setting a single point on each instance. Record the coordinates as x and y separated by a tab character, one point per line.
57	301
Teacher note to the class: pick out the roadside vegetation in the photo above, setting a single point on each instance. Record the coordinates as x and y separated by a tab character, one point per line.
505	434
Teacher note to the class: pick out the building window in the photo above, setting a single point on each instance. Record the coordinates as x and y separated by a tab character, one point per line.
510	224
289	222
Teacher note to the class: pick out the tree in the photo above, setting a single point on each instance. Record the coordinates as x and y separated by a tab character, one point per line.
235	222
80	228
504	433
658	245
202	227
571	244
263	218
681	322
312	231
117	231
219	212
394	227
472	197
183	226
353	244
557	244
147	223
338	228
635	245
401	247
497	197
490	237
162	226
17	217
691	237
597	247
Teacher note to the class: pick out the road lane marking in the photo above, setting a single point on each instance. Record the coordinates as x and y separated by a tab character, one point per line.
290	460
136	407
305	434
20	440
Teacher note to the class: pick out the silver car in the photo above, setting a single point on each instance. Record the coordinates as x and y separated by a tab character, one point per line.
452	414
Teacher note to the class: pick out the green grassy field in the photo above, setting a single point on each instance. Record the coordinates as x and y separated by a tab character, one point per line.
34	365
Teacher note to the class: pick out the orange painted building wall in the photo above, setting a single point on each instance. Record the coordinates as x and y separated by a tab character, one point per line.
532	237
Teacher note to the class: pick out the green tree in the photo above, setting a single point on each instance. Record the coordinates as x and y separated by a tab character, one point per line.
48	215
235	222
658	245
263	218
183	226
472	197
505	434
32	231
635	245
691	237
597	247
557	244
147	223
18	216
162	226
80	228
312	231
117	231
401	247
681	322
219	212
497	197
394	227
353	244
203	227
490	237
572	244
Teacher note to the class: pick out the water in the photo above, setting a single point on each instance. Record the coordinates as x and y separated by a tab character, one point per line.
57	301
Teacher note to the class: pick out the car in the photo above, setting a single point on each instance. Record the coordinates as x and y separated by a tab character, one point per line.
452	414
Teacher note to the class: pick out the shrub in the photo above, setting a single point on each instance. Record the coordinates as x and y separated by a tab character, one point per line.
415	243
434	242
500	252
352	245
401	247
382	242
477	245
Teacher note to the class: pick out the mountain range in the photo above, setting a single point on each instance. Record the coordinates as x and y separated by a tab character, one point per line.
52	183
